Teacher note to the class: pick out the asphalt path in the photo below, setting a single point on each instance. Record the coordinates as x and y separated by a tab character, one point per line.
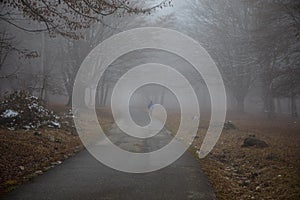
82	177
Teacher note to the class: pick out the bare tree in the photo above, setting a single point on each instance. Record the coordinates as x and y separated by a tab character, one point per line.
67	17
8	46
278	38
251	42
73	52
226	29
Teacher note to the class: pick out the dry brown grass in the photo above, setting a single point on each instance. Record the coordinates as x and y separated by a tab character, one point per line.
25	152
235	172
250	173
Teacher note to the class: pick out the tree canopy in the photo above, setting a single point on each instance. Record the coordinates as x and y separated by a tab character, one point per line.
67	17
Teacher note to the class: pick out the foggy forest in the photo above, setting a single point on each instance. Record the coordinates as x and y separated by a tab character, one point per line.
44	153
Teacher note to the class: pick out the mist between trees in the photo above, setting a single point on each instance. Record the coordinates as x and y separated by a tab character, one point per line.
255	45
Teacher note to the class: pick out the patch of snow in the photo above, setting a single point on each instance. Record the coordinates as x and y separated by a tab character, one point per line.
32	97
9	114
33	105
26	127
54	124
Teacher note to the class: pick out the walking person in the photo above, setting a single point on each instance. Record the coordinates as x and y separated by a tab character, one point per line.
150	107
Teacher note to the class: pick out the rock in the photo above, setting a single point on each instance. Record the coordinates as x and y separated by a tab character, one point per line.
56	163
229	125
254	142
21	168
247	182
39	172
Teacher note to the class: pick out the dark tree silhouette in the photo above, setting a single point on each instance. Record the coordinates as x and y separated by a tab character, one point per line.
67	17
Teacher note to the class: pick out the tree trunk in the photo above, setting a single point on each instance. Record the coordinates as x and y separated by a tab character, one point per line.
269	106
279	110
69	103
69	90
241	105
101	95
240	97
294	112
43	89
79	100
105	95
162	98
98	96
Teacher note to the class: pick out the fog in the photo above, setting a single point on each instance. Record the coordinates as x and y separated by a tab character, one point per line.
154	99
255	45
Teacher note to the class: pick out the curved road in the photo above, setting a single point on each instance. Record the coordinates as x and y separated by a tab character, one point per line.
82	177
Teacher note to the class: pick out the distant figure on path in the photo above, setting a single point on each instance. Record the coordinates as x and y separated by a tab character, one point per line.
150	106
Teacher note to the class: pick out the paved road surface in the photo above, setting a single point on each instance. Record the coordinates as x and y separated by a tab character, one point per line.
83	177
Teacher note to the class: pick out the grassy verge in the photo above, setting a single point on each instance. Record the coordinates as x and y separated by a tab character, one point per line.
25	154
28	153
251	173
